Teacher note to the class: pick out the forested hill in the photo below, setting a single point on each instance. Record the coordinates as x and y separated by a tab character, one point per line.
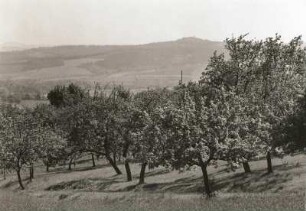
135	66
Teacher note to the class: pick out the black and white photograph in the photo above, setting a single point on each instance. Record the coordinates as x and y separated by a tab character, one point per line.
148	105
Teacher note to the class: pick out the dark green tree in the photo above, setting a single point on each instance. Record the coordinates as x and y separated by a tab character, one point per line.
61	96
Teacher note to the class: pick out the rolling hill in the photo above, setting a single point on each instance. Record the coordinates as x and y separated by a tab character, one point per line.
135	66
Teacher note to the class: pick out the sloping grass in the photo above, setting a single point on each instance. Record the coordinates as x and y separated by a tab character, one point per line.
145	201
87	188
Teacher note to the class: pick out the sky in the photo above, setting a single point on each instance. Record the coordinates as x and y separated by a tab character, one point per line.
101	22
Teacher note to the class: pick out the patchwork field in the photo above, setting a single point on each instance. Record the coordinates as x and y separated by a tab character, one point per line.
135	66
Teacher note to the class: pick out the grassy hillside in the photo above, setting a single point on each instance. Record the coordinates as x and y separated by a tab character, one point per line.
137	67
87	188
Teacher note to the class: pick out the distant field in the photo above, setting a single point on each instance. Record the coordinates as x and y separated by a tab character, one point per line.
86	188
32	103
136	67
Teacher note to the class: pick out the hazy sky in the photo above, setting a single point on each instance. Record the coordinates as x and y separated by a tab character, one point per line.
57	22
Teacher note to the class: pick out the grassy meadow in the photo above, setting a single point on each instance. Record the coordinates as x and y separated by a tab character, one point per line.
99	188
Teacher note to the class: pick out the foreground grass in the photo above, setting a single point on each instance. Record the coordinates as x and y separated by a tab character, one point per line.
100	201
86	188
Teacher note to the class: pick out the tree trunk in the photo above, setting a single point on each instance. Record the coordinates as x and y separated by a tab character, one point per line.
128	170
93	160
32	167
70	163
113	164
142	173
47	167
115	158
205	178
19	179
31	172
126	161
4	173
246	167
269	162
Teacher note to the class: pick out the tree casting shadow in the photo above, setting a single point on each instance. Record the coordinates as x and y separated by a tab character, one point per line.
257	181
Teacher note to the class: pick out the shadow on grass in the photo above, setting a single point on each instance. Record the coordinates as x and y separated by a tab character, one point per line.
9	184
25	180
154	173
78	169
257	181
95	184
